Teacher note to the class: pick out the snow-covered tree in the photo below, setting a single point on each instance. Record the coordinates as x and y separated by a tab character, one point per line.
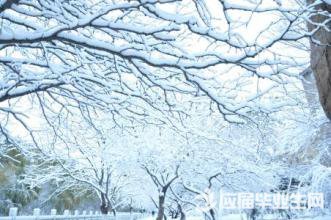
319	24
163	181
144	58
140	91
86	160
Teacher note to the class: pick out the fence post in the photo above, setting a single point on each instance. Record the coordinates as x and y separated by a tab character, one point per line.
53	212
91	212
76	212
36	213
13	213
66	212
84	214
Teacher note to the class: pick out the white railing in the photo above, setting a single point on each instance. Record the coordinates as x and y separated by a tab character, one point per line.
96	215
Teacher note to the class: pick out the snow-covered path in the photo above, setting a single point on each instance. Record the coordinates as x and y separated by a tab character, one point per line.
237	217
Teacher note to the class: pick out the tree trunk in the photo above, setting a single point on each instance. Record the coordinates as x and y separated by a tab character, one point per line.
212	214
320	58
104	209
105	206
113	211
182	214
160	214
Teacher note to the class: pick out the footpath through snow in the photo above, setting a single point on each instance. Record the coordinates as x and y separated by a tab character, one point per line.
238	217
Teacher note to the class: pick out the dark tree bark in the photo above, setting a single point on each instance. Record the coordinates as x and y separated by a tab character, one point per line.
320	58
182	214
163	183
212	213
104	207
7	4
160	213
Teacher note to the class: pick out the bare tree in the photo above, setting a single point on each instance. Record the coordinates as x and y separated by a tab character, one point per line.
163	182
134	57
89	162
319	23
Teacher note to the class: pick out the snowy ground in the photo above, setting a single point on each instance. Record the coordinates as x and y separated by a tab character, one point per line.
238	217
